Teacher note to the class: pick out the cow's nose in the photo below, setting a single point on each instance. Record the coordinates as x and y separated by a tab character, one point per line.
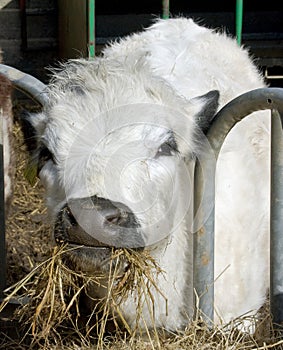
112	213
119	217
97	219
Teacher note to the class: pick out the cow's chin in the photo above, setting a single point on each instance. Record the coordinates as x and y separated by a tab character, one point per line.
85	252
89	259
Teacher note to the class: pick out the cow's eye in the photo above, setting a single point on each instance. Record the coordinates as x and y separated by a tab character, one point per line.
168	148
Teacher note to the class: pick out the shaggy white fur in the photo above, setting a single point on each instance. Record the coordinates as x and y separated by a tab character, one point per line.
108	127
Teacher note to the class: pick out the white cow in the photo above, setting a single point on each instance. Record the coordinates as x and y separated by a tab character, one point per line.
116	146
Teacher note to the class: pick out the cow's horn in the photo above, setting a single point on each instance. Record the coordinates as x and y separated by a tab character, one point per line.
26	83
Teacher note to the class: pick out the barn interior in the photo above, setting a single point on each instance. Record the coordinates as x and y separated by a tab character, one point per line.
37	34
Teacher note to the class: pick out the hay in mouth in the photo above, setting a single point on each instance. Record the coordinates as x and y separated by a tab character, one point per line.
54	293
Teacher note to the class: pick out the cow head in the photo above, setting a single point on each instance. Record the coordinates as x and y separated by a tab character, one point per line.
112	151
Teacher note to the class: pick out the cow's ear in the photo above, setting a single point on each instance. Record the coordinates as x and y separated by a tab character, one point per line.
32	126
210	103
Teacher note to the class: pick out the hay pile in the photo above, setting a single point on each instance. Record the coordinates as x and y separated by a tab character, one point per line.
27	229
53	318
53	312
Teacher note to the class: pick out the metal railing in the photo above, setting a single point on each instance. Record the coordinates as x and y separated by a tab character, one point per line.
226	119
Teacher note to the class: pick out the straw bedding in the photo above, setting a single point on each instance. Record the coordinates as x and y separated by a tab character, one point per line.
52	315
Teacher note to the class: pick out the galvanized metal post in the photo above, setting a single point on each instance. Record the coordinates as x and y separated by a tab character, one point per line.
226	119
27	84
276	220
2	216
203	241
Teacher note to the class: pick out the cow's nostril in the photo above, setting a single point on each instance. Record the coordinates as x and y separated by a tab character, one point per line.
70	217
119	218
113	219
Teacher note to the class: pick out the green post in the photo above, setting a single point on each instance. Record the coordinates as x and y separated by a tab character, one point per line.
239	20
91	28
165	9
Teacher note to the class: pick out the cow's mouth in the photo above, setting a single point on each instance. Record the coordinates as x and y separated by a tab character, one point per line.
68	231
97	227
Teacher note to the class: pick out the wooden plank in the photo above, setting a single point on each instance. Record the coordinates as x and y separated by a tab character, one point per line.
41	26
10	27
9	4
72	28
38	26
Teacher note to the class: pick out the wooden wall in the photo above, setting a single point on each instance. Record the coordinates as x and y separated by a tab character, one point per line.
57	29
41	29
72	28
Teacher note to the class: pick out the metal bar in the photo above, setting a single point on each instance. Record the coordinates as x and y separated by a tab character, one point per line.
2	215
239	20
276	219
91	28
26	83
226	119
203	241
165	9
240	107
